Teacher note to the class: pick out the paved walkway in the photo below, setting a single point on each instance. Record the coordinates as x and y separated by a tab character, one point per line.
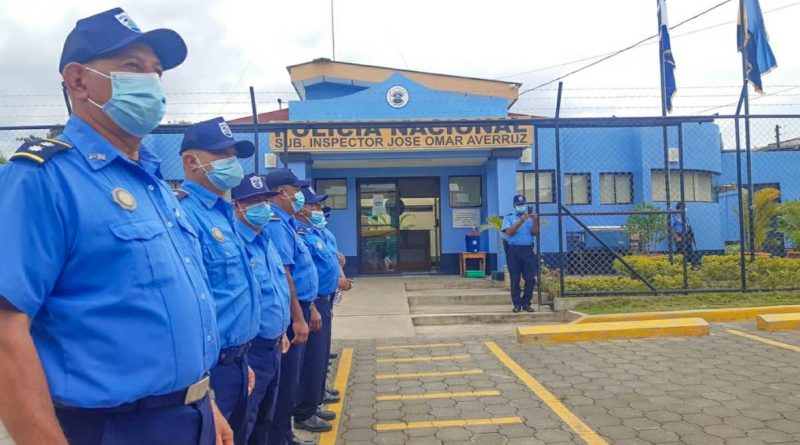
721	389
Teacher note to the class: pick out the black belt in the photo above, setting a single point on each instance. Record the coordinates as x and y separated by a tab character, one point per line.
525	246
191	395
230	355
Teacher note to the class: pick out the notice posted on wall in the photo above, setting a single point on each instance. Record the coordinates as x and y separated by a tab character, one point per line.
466	218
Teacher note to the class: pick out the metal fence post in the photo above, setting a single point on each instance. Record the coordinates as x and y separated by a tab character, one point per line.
683	205
561	256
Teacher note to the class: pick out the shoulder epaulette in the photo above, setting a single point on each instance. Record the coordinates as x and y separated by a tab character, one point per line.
40	150
275	218
180	193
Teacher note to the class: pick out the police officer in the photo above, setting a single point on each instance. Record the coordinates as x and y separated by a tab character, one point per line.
684	236
520	228
107	329
253	211
303	285
307	414
211	167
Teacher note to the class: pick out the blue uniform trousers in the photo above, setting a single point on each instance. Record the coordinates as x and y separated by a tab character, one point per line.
521	263
328	327
315	361
280	432
129	425
265	359
229	380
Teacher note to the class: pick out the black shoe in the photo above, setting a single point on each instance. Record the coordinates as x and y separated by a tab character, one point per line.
298	441
332	391
330	398
313	424
516	309
527	308
333	355
325	414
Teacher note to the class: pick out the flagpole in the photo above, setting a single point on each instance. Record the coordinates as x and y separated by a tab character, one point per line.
664	140
748	158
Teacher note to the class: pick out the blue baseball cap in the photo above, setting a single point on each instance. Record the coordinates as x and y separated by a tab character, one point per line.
519	199
252	185
312	197
215	135
104	33
282	176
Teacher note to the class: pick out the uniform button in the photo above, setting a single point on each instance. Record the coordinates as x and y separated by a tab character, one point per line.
203	296
208	338
169	224
187	260
151	187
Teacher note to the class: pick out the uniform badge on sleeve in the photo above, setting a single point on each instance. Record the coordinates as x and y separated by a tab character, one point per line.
217	234
123	198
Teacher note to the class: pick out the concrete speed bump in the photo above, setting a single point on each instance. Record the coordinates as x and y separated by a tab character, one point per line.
709	315
567	333
778	322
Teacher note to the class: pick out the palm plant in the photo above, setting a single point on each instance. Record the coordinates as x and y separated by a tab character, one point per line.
789	222
765	208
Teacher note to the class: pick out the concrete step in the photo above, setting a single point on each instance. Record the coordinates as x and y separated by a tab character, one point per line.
458	296
451	283
464	330
498	316
461	308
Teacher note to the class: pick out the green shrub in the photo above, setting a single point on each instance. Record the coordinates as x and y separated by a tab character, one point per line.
602	283
649	265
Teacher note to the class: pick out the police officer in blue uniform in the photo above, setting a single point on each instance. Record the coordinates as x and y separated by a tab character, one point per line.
253	211
107	328
211	167
520	228
308	415
684	236
303	286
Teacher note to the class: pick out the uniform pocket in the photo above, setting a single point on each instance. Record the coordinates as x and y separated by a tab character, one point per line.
222	261
145	240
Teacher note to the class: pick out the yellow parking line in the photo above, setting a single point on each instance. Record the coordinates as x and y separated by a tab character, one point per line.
430	345
415	375
437	395
765	340
577	425
345	361
446	423
424	359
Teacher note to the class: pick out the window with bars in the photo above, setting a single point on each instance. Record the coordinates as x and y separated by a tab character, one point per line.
616	188
526	185
577	188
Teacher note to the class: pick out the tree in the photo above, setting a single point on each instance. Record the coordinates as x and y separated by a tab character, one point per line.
651	230
51	134
765	208
789	222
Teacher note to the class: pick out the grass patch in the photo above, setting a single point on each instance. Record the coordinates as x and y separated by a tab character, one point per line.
687	302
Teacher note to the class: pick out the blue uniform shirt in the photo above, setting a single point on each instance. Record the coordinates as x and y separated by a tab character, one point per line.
294	254
677	224
523	236
96	250
271	276
326	259
236	294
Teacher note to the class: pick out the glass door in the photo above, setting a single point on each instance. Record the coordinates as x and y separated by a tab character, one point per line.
378	226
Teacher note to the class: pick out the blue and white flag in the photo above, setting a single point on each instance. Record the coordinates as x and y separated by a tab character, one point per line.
668	87
752	40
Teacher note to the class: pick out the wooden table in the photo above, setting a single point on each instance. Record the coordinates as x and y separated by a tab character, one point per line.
462	265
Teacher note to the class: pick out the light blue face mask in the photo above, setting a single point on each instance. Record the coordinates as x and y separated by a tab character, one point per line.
521	209
225	173
299	201
258	214
137	102
317	219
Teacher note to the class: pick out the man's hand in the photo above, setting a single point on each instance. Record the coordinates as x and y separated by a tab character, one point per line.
525	217
316	320
285	344
345	283
300	328
223	429
251	380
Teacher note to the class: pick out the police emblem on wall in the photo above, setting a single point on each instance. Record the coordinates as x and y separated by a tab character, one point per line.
397	96
225	129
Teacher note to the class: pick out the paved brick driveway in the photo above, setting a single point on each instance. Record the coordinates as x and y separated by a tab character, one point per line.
720	389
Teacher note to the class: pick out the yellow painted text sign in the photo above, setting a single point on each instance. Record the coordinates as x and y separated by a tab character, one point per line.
413	136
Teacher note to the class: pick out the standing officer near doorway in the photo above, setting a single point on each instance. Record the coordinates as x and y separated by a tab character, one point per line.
211	166
521	227
107	327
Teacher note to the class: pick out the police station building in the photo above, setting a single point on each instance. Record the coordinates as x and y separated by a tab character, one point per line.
406	192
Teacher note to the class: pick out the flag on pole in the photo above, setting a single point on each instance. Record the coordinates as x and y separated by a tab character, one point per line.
752	40
668	87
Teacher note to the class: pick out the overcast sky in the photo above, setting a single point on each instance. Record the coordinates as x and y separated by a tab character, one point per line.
235	44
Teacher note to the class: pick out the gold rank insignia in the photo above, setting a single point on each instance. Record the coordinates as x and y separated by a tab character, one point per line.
217	233
123	198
